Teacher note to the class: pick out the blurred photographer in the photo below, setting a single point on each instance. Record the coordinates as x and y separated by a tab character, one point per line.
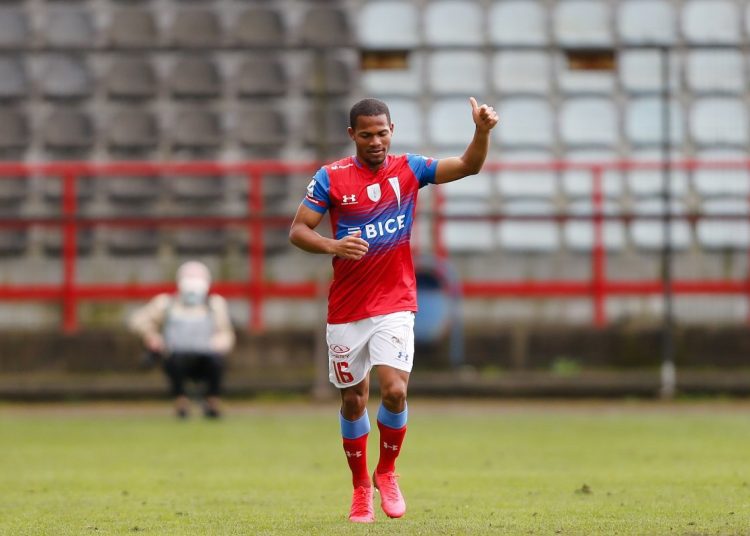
191	333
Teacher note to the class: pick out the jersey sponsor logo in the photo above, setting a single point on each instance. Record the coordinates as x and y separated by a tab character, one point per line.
382	228
396	189
349	199
353	230
373	192
339	349
338	166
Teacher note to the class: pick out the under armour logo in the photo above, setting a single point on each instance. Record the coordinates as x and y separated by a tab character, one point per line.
357	454
394	448
349	199
403	356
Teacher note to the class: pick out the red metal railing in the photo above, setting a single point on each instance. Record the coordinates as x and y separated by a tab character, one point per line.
256	290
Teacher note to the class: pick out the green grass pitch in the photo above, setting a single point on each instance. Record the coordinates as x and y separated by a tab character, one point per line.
467	468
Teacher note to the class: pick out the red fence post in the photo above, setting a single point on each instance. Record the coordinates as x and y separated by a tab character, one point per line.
69	208
255	251
598	257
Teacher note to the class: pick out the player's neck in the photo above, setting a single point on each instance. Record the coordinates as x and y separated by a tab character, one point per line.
373	169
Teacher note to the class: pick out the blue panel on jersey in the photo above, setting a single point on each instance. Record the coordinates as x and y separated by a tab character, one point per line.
423	168
318	198
355	429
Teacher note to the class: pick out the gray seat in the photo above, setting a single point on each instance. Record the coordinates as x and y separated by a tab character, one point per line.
326	128
122	241
453	22
66	77
580	182
534	236
68	129
468	236
715	71
195	77
401	32
579	233
69	27
730	182
591	122
457	73
518	22
197	129
648	234
719	121
408	81
53	242
133	28
132	191
196	189
582	23
640	71
13	192
409	120
643	122
526	122
131	78
450	123
333	76
14	28
199	241
14	131
711	22
326	26
262	77
262	127
13	242
133	130
14	83
647	22
728	232
527	71
527	184
259	27
197	28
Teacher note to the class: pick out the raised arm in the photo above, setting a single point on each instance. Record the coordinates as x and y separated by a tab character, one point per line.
303	235
470	163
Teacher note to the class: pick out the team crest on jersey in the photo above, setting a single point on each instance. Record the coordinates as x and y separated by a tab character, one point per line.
373	192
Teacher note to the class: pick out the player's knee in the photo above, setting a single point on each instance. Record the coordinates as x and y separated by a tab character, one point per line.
353	404
394	396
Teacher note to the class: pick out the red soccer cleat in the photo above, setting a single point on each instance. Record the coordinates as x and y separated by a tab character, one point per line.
391	500
362	510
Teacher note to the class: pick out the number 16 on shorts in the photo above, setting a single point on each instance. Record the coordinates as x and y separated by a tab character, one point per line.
341	371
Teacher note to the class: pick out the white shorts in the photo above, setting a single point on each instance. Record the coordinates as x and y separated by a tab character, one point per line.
355	347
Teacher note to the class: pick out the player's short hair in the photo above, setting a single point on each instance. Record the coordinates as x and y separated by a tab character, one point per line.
368	107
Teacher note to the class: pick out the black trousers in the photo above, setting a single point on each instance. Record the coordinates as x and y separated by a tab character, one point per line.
200	368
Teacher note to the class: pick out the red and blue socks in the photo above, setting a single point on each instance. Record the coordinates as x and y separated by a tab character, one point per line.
354	435
392	428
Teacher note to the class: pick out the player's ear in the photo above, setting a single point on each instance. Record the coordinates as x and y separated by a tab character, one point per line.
350	131
391	128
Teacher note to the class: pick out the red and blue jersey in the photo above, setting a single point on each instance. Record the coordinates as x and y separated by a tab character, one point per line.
381	206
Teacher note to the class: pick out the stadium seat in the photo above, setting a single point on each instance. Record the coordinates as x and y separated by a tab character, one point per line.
14	131
326	126
641	71
530	184
722	182
133	27
645	183
14	83
69	26
52	191
383	83
527	71
333	75
719	121
469	197
15	32
197	129
518	22
326	26
196	28
195	77
133	129
262	76
579	182
457	73
52	242
648	234
711	22
450	123
588	122
729	233
467	236
196	189
66	77
582	81
526	122
646	22
122	241
262	127
13	192
259	27
401	32
199	241
582	23
643	122
68	129
530	236
132	191
131	78
408	123
579	233
13	242
715	71
453	22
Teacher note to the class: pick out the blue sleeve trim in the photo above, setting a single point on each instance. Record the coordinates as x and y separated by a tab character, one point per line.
318	192
392	420
313	206
424	168
355	429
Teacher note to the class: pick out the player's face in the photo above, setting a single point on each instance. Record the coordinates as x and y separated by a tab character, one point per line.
372	136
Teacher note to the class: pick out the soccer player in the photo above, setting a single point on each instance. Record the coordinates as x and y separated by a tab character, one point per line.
371	198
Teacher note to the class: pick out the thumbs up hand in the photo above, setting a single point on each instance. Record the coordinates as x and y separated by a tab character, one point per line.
485	117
